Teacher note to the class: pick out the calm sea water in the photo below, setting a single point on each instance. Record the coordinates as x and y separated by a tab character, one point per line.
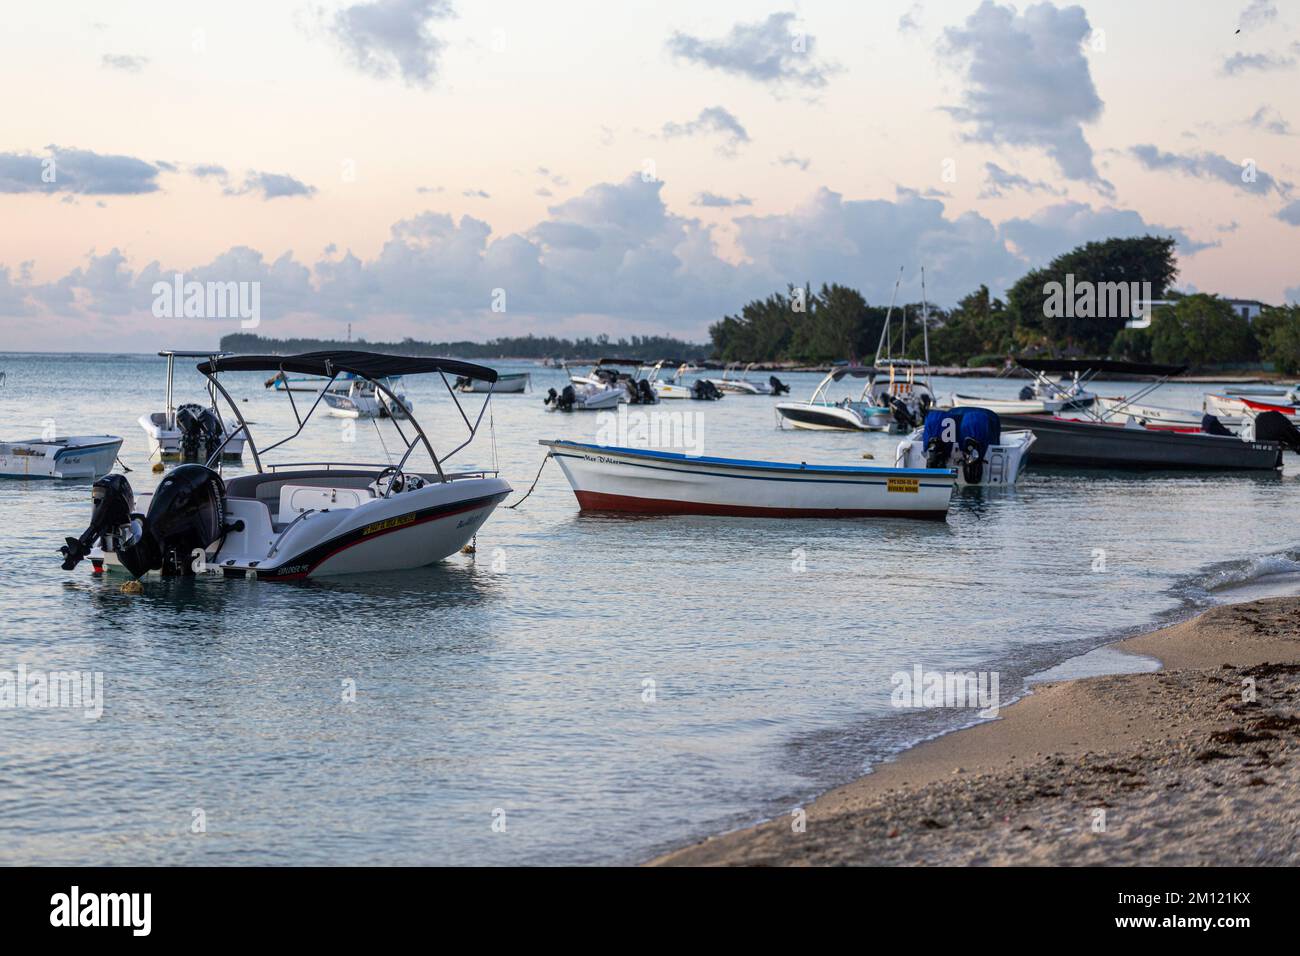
513	686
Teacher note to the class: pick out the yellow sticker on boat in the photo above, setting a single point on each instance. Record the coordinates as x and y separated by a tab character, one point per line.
386	525
912	485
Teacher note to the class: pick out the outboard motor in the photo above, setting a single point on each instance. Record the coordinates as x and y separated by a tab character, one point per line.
925	402
705	391
1211	425
977	430
563	401
902	415
112	514
200	432
187	514
938	438
645	393
778	387
1273	426
972	466
1026	394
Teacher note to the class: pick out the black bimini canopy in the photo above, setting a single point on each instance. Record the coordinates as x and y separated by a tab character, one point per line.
855	371
622	361
1099	366
372	365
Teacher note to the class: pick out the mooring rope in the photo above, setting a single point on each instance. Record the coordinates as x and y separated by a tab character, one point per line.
533	485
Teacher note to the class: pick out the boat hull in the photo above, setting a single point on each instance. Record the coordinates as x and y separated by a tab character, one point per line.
64	458
822	417
634	481
1082	444
1009	406
504	385
165	443
1120	410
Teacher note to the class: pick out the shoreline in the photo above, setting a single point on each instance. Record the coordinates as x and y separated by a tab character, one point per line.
1170	767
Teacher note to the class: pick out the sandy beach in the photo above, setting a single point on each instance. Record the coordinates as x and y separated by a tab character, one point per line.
1195	764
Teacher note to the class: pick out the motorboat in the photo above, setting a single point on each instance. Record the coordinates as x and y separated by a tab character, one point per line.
1121	409
361	400
866	412
82	456
971	441
509	384
606	373
609	478
1104	443
1226	407
676	388
303	520
741	385
580	397
189	432
1042	397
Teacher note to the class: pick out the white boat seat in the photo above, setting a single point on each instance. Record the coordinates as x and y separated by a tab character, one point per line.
295	499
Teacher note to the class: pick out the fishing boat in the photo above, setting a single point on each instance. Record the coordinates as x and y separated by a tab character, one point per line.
82	456
303	520
580	397
866	412
1240	406
512	383
1042	397
190	431
675	388
606	373
630	480
1108	444
1122	409
971	441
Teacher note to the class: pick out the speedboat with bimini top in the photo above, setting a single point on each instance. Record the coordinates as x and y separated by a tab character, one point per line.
293	521
822	413
970	440
189	432
639	481
741	385
1104	443
83	456
675	387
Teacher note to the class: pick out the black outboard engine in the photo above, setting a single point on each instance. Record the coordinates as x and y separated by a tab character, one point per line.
200	432
187	514
1273	426
112	509
901	415
972	466
462	381
562	401
1026	394
778	387
1211	425
645	393
938	453
705	391
924	402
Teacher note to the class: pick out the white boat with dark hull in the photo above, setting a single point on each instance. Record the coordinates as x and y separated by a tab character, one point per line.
971	441
1101	443
509	384
1043	397
1122	409
742	385
190	431
293	521
82	456
637	481
822	413
676	387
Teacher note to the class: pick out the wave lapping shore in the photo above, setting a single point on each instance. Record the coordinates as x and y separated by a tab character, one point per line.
1195	764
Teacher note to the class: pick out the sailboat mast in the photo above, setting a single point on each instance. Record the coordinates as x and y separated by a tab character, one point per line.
884	332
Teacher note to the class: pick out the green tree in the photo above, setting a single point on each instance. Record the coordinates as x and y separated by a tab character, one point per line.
1200	330
1143	259
1278	331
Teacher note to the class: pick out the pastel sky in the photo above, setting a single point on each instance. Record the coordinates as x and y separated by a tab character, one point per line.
620	167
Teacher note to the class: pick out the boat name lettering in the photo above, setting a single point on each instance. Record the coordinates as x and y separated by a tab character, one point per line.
909	485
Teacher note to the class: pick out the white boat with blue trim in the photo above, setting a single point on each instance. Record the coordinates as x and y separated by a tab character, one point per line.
641	481
83	456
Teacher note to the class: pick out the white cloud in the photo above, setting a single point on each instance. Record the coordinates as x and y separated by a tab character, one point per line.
775	51
1028	82
270	185
124	62
1290	213
393	38
712	120
1208	166
1059	228
1260	62
997	181
77	171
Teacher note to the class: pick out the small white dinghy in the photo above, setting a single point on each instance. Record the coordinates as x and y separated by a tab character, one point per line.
641	481
82	456
970	440
511	383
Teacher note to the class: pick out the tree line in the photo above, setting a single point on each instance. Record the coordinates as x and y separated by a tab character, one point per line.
650	348
836	322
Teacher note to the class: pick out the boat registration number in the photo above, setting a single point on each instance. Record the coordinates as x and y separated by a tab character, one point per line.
909	485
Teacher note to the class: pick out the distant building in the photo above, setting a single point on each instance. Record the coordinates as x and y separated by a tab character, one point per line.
1248	309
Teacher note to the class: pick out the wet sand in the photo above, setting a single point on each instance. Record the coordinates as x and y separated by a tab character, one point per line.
1195	764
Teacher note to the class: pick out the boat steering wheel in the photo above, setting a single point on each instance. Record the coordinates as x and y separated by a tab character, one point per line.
396	481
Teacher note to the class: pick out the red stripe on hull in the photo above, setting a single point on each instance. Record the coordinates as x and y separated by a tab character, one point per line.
598	501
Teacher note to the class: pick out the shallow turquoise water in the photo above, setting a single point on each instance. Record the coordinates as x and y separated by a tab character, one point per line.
516	681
